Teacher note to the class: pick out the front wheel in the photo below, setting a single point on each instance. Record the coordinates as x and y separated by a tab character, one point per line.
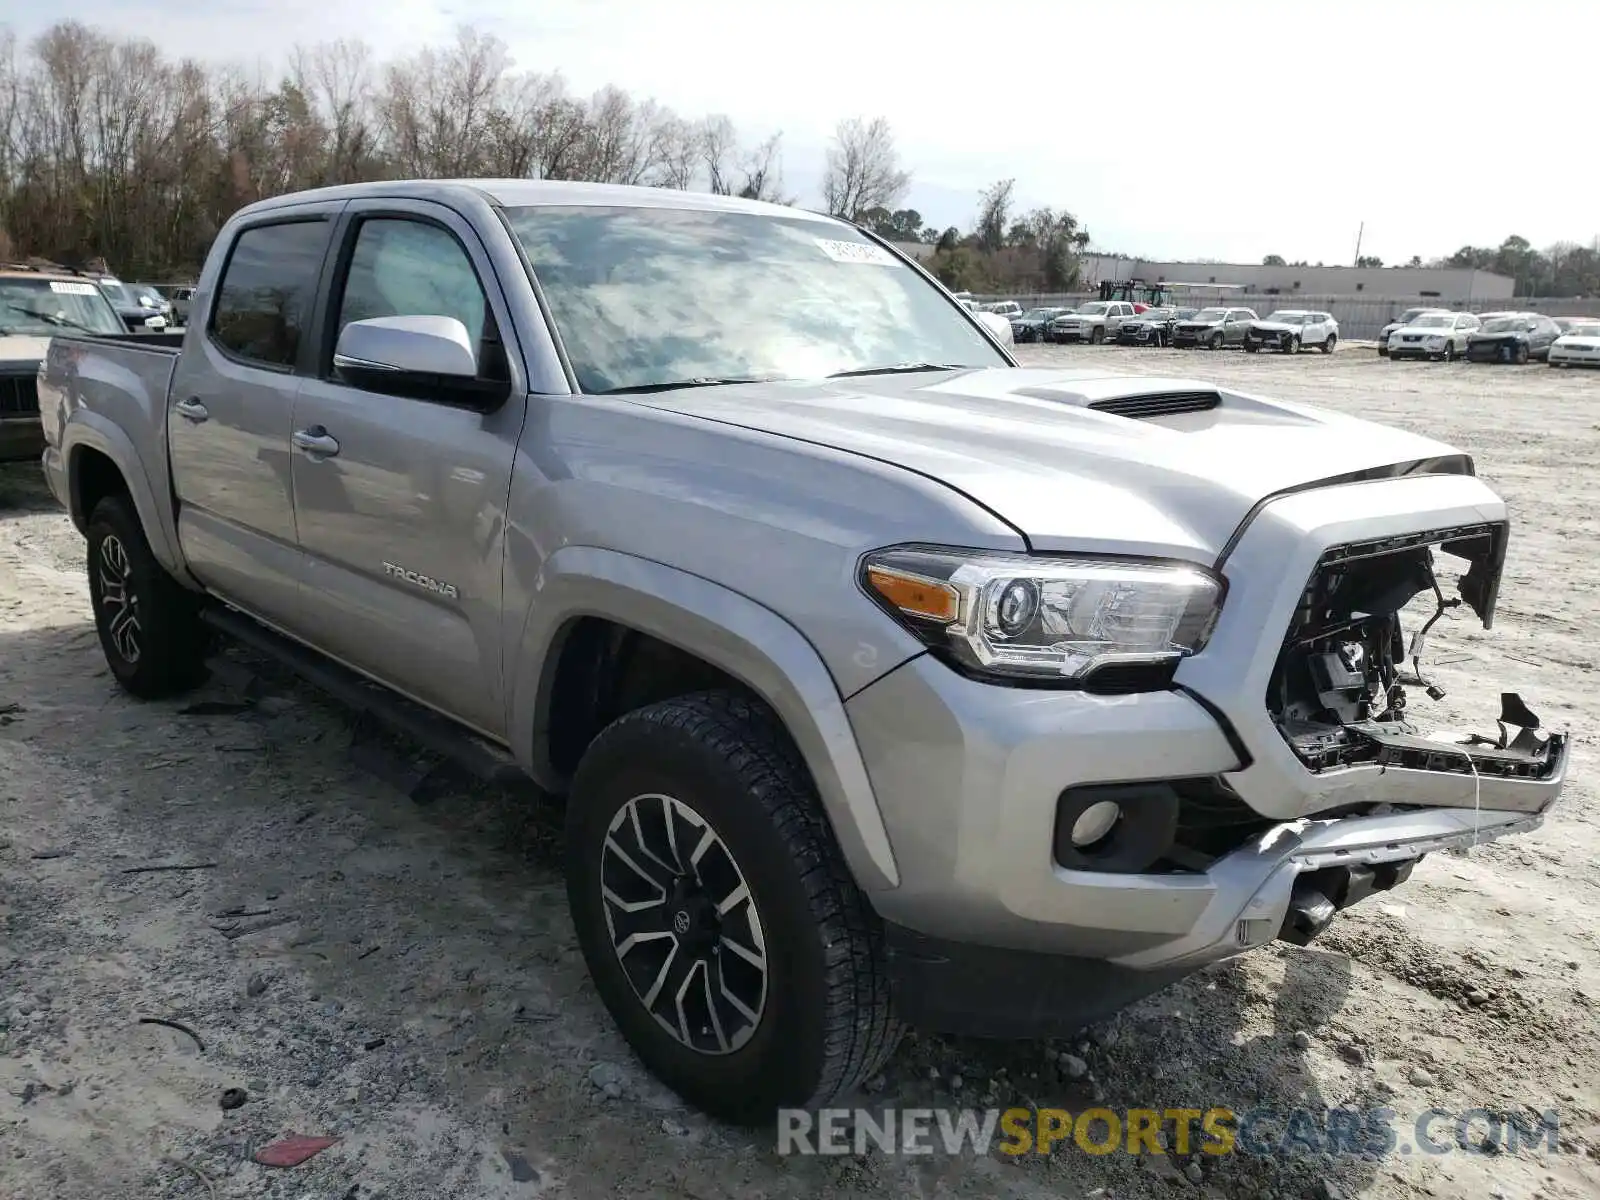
1251	348
1215	343
149	624
1522	355
1292	346
1449	352
716	914
1327	346
1098	336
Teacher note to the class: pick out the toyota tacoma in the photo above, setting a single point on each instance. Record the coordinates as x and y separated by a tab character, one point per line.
886	681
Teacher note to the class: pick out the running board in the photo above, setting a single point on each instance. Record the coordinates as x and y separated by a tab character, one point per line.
439	734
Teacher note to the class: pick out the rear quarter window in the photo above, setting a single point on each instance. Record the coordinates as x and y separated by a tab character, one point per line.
264	297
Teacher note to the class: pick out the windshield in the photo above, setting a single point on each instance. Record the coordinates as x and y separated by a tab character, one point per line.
651	296
43	306
1584	329
1094	309
1507	325
1211	314
144	292
1287	318
1433	321
117	293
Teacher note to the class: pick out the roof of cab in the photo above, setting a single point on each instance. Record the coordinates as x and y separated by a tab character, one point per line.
520	193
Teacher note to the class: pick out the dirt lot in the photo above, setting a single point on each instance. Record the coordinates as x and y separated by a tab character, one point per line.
403	975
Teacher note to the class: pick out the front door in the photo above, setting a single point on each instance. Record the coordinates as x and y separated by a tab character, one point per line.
231	412
401	501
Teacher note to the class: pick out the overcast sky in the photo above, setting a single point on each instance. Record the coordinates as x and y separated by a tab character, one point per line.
1223	131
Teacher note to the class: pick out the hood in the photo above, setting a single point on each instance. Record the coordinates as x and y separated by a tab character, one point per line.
1199	324
1026	444
1499	335
21	348
1274	326
1571	341
1424	330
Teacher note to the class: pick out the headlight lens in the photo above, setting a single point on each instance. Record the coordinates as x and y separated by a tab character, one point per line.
1057	618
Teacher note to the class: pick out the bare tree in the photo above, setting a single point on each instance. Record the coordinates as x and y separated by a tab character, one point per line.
863	169
994	214
719	142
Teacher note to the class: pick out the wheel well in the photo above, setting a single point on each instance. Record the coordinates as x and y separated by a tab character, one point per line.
606	669
94	477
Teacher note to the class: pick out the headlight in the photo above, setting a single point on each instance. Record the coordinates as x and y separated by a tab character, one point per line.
1056	618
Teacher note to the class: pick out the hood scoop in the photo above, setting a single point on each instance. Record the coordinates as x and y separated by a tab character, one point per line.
1158	404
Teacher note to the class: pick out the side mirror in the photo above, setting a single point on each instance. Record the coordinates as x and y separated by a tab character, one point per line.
427	357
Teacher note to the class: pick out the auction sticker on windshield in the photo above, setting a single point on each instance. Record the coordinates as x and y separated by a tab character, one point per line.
855	252
71	289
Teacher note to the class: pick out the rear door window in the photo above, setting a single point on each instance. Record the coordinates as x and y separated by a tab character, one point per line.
264	298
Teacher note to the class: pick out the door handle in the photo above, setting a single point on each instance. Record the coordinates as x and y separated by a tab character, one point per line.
317	442
191	409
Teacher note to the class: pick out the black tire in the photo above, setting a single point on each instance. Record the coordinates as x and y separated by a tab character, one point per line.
1331	341
1251	348
1522	354
1292	346
1097	336
1215	343
149	624
826	1022
1449	352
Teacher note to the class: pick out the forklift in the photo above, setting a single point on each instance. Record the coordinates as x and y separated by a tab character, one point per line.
1136	291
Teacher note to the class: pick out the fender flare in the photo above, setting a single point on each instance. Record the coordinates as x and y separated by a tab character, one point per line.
745	639
90	430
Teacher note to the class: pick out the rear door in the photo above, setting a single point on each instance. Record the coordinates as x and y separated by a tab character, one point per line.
402	526
231	404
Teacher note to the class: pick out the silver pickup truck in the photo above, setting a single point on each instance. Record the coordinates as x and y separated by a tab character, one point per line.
886	681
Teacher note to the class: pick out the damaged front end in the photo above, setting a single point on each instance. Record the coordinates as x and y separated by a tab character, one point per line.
1339	691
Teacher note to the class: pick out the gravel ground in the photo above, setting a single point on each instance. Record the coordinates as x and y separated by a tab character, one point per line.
403	976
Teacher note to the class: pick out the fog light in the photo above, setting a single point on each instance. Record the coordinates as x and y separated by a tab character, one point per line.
1095	822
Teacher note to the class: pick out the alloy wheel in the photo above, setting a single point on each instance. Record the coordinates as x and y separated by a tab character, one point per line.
683	924
118	600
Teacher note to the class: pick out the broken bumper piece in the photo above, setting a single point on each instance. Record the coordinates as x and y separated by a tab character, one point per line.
1290	880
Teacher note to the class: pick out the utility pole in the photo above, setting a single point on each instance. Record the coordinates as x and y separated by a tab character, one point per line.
1359	232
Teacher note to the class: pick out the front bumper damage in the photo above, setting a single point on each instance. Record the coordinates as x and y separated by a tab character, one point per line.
1253	810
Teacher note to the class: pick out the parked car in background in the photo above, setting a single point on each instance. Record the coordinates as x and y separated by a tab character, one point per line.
34	305
1009	309
1513	337
148	294
1030	326
951	710
997	325
1437	335
1153	327
1214	328
1289	329
1566	324
1093	322
136	313
1579	344
1405	318
178	295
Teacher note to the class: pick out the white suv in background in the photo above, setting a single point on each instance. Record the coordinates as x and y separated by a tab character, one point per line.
1438	335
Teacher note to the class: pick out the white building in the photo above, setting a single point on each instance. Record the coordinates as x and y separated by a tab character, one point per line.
1447	285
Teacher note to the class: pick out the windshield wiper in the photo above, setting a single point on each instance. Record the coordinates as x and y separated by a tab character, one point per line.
900	369
55	319
672	385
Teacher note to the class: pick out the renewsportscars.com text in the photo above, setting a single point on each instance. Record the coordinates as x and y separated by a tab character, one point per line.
1357	1132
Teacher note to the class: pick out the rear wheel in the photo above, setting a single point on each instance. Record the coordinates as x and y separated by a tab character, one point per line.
716	914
